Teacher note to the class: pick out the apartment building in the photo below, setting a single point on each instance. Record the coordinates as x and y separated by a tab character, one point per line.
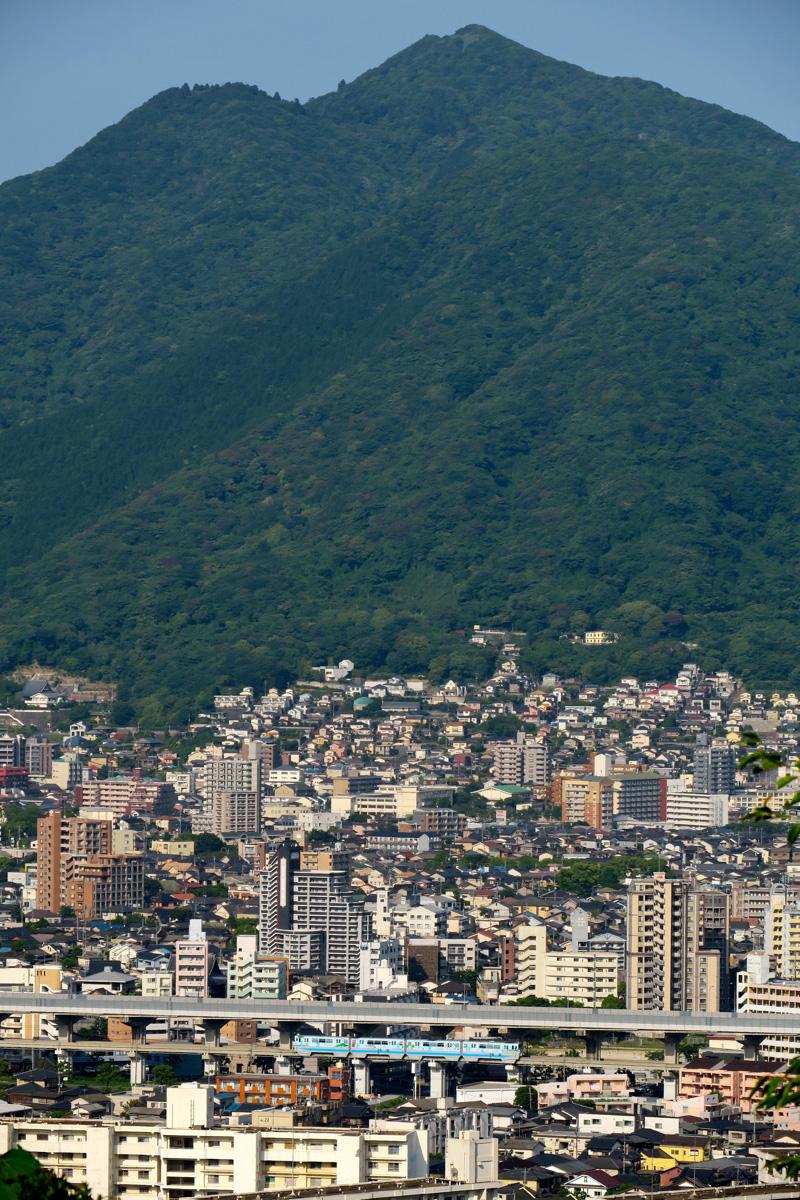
677	946
59	838
279	1091
735	1081
782	931
255	975
714	765
758	991
640	797
190	1155
235	813
397	801
103	883
235	772
687	809
443	823
39	757
310	916
39	979
583	799
192	962
526	760
76	865
581	976
749	900
124	794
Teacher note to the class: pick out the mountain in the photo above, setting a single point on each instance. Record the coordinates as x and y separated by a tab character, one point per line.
480	336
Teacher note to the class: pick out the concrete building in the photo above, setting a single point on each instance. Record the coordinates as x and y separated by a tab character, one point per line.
581	976
677	946
714	765
583	799
124	794
232	789
235	813
236	772
190	1154
60	838
381	963
39	757
782	931
695	810
639	796
39	979
252	974
735	1081
758	991
192	962
104	883
311	917
76	866
526	760
398	801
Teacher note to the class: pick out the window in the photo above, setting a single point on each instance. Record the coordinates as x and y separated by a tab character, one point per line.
394	1167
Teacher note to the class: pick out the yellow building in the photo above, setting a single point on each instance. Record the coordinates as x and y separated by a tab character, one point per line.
675	1150
36	979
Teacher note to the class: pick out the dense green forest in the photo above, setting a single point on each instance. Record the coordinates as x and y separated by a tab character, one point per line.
480	336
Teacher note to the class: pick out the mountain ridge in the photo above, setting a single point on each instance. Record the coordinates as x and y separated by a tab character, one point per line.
402	371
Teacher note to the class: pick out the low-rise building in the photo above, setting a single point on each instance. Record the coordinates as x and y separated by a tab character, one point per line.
192	1154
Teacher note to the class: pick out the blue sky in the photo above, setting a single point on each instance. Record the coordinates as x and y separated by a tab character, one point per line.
68	68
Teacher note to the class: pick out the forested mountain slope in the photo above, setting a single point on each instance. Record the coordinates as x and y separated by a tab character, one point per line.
480	336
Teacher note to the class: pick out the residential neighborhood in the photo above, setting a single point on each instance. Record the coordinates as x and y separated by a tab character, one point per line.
535	843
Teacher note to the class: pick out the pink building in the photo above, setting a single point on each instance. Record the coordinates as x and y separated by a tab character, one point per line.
588	1085
192	962
733	1080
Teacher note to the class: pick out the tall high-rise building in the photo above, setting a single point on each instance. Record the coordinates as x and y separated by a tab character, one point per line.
12	750
677	946
526	760
782	931
536	763
309	914
192	962
103	883
76	866
60	838
235	813
236	772
233	788
640	796
583	799
714	765
38	757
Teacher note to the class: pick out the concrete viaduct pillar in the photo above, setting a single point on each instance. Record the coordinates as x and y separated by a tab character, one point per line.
362	1077
438	1080
138	1067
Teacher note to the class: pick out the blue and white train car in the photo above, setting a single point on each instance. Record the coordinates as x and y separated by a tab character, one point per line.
391	1047
452	1050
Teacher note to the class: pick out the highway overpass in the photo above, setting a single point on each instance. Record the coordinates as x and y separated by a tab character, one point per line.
285	1014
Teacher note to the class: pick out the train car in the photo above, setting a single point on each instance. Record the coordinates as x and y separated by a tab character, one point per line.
422	1049
318	1044
392	1047
507	1052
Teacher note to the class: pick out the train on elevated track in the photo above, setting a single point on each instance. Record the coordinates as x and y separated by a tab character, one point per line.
411	1048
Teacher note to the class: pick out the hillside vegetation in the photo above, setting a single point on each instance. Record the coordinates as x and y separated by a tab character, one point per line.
478	337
